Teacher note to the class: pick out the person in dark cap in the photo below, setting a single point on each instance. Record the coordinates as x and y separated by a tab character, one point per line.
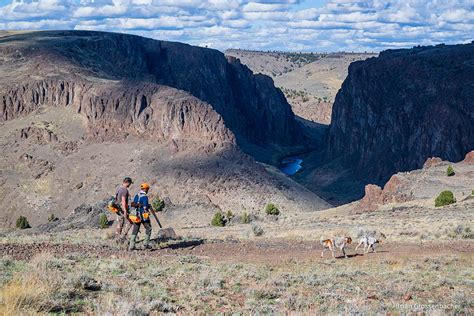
123	222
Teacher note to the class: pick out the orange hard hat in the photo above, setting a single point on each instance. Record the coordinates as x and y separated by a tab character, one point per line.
144	186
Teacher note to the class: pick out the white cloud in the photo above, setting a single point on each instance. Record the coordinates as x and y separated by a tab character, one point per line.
258	24
264	7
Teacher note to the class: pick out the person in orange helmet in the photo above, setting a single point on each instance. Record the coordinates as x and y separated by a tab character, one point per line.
141	215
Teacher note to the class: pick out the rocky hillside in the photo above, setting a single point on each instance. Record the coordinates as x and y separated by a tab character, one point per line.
395	111
423	185
80	110
250	105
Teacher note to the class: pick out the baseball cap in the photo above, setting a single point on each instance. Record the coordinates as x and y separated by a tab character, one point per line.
128	179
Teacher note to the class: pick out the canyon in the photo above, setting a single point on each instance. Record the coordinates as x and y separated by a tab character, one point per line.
80	110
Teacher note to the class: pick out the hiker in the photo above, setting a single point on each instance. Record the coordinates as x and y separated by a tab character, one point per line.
121	198
141	215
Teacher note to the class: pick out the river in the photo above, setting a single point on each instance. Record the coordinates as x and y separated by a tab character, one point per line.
291	165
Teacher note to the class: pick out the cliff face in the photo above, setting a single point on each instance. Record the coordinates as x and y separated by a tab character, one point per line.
115	110
250	105
395	111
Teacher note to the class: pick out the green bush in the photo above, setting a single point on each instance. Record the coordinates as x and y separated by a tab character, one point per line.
22	223
103	221
52	218
218	220
158	204
271	209
450	171
445	198
245	218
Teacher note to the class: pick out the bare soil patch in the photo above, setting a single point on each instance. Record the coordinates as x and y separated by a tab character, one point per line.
243	251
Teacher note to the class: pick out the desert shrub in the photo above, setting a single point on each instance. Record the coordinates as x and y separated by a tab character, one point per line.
445	198
450	171
52	218
22	223
158	204
271	209
265	295
103	221
462	232
257	230
468	233
218	220
245	218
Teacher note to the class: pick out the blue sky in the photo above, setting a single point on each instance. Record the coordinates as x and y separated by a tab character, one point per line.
292	25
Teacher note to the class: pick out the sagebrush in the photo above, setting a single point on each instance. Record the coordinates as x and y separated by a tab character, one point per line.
218	220
450	171
103	221
445	198
272	209
22	223
158	204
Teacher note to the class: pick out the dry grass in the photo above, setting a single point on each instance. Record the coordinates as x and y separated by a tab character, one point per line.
22	295
28	292
190	284
45	285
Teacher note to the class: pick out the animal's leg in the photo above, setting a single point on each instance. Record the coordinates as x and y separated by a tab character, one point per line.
357	247
344	252
366	248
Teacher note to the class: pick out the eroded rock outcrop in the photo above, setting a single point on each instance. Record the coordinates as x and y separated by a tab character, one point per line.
395	111
430	162
117	109
469	159
394	191
38	134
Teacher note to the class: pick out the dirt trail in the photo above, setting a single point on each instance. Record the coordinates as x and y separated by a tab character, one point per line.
243	251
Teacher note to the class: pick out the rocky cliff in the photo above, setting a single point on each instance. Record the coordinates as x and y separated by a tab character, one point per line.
115	110
89	70
396	110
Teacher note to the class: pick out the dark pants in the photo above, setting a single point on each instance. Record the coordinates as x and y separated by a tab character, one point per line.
135	229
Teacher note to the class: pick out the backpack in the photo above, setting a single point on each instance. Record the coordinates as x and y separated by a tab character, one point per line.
113	207
139	214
